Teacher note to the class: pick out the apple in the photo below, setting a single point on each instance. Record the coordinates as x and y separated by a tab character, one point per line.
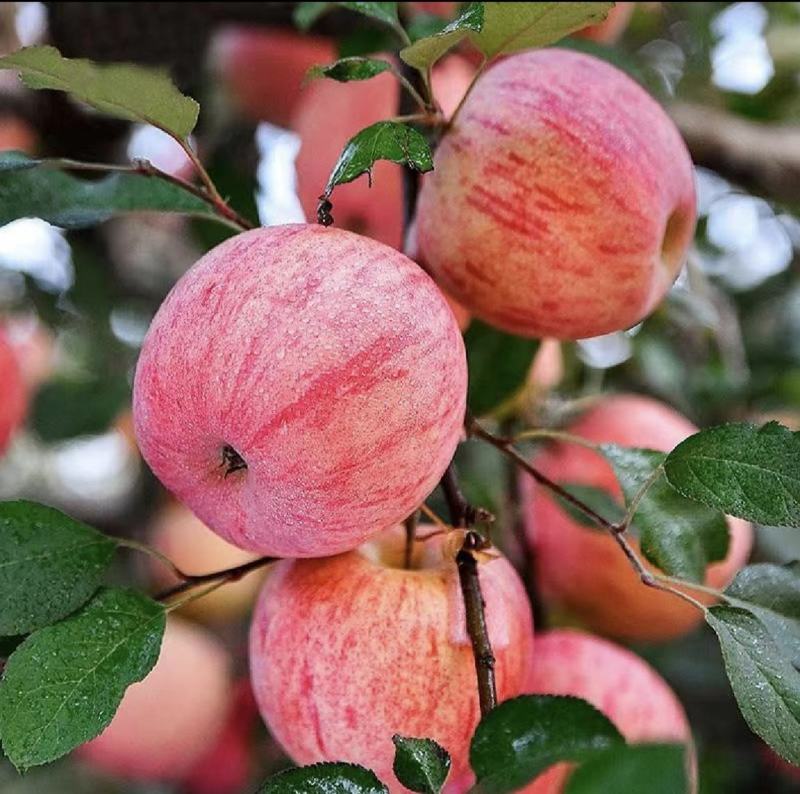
300	389
14	403
615	681
16	134
547	368
446	10
612	27
34	347
562	199
347	651
263	69
329	114
581	569
167	721
177	533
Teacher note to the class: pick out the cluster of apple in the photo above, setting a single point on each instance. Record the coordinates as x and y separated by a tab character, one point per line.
303	389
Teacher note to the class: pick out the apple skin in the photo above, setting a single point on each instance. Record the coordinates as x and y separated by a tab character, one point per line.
17	134
612	27
34	346
349	650
263	69
167	722
195	549
14	403
615	681
329	362
567	195
581	569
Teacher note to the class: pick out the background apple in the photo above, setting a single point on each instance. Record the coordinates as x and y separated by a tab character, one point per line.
347	651
568	197
581	569
298	414
612	27
15	399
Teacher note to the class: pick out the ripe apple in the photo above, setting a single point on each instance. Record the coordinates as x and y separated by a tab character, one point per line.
300	389
14	402
562	200
263	69
547	368
612	27
195	549
580	568
17	135
166	722
329	114
615	681
349	650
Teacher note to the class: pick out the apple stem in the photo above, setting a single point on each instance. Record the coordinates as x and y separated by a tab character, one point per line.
411	536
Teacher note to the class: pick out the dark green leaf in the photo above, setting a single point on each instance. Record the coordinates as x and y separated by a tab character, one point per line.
745	471
62	686
520	738
420	764
383	12
51	565
347	69
510	27
306	14
386	140
654	768
498	365
424	25
34	189
600	500
772	593
766	685
126	91
329	778
677	535
424	52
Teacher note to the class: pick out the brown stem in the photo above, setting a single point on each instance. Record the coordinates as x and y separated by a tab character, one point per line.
411	536
228	575
475	609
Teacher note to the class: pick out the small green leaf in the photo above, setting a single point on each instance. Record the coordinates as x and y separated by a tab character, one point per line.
327	778
677	535
520	738
34	189
64	683
126	91
600	500
498	365
772	593
51	565
347	69
766	685
423	25
420	764
424	52
510	27
654	768
386	140
306	14
742	470
383	12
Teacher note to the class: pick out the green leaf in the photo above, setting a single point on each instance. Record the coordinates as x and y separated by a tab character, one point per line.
327	778
772	593
306	14
386	140
654	768
766	685
742	470
347	69
383	12
677	535
520	738
35	189
423	25
424	52
498	365
600	500
126	91
50	565
420	764
63	684
510	27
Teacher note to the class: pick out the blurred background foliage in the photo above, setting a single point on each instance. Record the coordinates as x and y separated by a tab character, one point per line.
724	346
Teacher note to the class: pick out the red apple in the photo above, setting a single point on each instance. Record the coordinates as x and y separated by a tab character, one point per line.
612	27
581	569
34	347
300	389
615	681
349	650
16	134
167	722
562	200
14	402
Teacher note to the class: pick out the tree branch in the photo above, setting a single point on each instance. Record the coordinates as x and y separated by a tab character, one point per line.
227	575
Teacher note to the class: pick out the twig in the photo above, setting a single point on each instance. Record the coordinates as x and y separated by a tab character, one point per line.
227	575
